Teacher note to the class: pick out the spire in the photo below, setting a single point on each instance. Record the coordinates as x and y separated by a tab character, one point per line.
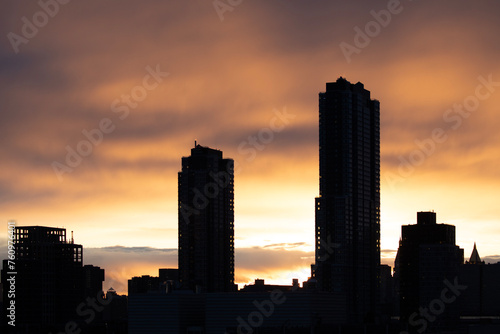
474	257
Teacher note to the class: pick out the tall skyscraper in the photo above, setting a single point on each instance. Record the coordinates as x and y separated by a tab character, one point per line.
206	221
348	206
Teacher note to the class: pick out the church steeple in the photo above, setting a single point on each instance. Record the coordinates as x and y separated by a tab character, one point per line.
474	257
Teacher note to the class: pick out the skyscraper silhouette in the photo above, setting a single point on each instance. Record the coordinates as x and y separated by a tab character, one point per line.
206	221
348	206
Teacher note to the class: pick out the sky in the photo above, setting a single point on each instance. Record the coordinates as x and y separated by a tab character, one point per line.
99	100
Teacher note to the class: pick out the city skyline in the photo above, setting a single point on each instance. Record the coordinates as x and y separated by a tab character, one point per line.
224	82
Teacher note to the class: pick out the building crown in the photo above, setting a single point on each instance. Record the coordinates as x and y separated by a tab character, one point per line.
474	257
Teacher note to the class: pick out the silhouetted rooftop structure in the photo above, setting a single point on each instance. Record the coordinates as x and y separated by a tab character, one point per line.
260	286
474	257
166	281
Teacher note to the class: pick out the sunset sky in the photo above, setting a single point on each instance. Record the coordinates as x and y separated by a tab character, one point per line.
154	76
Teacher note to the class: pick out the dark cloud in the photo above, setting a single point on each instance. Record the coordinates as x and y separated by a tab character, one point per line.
285	245
491	259
122	249
268	260
119	261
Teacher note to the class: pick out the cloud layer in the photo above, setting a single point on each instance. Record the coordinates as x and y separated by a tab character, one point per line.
226	80
277	264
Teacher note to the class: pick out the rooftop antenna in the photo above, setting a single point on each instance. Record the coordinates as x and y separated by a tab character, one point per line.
72	241
195	143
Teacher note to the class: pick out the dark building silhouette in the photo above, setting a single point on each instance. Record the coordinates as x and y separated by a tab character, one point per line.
275	311
481	297
348	206
157	305
295	311
177	312
115	313
427	259
93	278
386	304
166	281
50	280
144	284
259	286
206	221
168	274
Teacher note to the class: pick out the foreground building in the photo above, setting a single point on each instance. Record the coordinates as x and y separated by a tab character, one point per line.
348	206
277	311
480	299
50	280
428	263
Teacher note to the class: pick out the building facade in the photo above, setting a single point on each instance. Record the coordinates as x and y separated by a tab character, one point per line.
481	297
206	221
348	207
50	279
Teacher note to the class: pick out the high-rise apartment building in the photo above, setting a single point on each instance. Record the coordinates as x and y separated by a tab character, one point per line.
206	221
348	206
